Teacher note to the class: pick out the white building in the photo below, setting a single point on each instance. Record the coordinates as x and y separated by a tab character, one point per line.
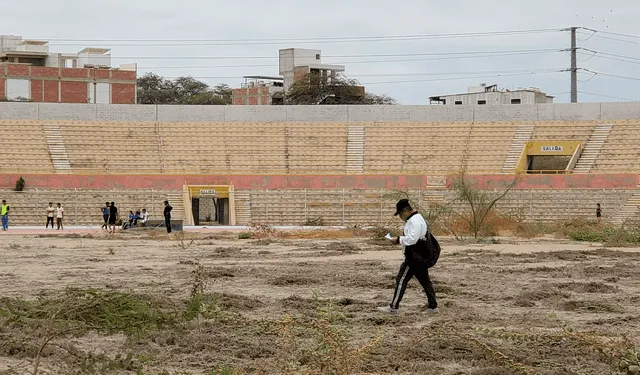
298	62
492	95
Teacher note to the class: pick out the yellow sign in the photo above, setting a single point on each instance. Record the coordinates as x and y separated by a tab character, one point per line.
554	147
209	191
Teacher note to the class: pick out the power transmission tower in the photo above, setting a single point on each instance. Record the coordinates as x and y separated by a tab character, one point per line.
574	66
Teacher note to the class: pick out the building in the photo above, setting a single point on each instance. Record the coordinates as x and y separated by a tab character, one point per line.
294	64
492	95
258	90
30	72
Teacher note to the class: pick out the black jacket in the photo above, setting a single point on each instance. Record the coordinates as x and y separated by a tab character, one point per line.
167	211
425	252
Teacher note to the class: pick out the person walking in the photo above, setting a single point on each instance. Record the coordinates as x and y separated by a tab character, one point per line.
167	215
4	212
51	211
113	217
59	216
421	252
105	216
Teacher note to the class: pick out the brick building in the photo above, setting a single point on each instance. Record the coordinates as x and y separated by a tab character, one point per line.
29	72
294	64
258	90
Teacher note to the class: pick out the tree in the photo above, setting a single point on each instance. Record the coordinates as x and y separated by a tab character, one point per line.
313	89
380	99
154	89
479	201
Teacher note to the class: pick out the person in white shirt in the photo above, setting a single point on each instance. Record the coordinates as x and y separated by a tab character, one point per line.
421	251
51	211
59	216
145	217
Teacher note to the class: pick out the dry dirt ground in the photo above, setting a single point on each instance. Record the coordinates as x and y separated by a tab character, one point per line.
274	306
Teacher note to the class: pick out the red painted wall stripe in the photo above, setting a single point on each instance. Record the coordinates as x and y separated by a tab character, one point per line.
53	181
572	181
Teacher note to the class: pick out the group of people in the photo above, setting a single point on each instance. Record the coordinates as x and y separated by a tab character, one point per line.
110	216
57	213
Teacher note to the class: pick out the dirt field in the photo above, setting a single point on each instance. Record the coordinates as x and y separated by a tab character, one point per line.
148	304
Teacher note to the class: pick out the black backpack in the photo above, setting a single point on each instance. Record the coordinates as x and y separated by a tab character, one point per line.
428	251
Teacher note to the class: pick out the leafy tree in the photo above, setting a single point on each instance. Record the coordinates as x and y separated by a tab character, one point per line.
154	89
315	89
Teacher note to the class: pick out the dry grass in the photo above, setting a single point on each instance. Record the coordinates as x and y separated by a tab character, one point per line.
222	309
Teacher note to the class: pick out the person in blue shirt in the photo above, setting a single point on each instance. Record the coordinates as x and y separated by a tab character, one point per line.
131	218
105	215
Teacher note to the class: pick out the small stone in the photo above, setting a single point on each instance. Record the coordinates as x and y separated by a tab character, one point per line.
633	370
623	365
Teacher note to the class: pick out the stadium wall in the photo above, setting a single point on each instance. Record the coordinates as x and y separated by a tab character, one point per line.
315	182
349	113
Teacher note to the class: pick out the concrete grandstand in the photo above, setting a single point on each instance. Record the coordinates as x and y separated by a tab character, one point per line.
281	165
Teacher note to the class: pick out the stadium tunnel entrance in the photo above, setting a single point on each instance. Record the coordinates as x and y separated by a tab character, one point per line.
549	157
209	205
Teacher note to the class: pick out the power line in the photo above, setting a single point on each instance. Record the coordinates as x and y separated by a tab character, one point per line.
612	33
611	58
610	38
504	52
490	55
461	78
611	75
605	96
406	74
307	40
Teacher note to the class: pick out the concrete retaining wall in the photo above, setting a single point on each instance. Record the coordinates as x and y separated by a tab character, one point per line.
350	113
318	182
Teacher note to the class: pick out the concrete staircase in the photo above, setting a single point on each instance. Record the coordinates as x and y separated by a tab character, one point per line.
522	136
435	191
176	200
57	149
629	210
592	148
355	149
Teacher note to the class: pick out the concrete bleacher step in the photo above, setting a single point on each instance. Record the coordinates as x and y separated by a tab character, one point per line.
176	200
592	148
355	149
57	148
630	209
522	136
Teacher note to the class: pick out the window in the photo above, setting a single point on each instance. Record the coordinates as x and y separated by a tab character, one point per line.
317	56
482	102
458	102
18	89
100	93
516	101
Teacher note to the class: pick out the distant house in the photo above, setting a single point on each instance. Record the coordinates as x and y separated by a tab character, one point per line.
491	95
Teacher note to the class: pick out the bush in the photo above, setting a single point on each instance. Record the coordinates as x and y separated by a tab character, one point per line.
20	184
314	222
245	235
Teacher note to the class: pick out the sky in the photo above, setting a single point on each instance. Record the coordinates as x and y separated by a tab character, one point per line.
397	48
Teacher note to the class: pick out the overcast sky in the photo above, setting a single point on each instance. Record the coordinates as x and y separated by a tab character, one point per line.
126	26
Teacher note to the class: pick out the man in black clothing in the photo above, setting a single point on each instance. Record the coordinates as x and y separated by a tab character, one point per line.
421	251
167	215
113	217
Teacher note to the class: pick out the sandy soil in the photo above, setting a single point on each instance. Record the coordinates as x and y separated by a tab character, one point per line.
529	288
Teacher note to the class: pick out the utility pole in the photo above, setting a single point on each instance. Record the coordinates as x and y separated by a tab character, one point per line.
574	66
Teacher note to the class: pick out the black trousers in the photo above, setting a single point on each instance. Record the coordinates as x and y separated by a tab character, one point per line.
407	271
167	222
49	220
